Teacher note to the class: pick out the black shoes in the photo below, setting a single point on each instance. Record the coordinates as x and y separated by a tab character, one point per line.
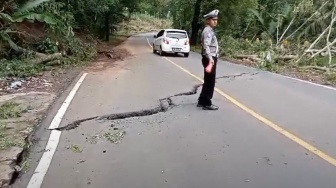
209	107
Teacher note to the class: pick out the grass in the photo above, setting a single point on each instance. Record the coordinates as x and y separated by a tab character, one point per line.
18	68
115	137
117	39
330	76
195	48
10	110
6	141
75	148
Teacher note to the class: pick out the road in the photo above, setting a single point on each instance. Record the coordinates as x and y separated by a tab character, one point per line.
269	131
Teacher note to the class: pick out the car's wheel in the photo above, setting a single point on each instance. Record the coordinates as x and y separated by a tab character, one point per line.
161	52
186	54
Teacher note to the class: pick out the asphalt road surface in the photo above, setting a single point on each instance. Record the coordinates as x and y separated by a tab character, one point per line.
270	131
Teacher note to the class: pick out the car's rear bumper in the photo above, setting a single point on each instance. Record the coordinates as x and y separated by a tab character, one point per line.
173	49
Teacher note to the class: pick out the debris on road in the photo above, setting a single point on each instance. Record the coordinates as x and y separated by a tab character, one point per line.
75	148
94	139
115	137
16	84
81	161
268	160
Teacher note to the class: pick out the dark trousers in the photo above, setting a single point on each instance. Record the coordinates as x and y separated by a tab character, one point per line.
209	83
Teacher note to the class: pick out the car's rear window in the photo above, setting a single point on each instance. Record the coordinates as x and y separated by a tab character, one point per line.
176	34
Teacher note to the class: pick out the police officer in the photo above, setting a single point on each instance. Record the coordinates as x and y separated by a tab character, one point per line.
209	60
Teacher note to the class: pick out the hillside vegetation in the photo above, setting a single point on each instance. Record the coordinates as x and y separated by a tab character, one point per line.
140	23
39	35
294	37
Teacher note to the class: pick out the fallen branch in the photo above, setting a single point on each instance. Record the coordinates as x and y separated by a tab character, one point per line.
108	54
247	56
313	44
325	48
307	20
54	62
288	57
37	54
324	69
283	34
255	57
250	58
329	33
318	50
47	58
235	60
321	35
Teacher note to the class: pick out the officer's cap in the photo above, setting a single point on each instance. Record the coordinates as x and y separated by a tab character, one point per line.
212	14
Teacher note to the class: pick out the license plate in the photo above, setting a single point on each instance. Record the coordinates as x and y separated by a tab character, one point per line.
176	49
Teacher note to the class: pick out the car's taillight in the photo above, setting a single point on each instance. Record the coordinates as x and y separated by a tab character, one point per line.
186	42
165	41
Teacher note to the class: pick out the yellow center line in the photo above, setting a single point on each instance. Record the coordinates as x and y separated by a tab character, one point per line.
266	121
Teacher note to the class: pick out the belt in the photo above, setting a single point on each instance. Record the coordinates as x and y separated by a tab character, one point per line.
213	55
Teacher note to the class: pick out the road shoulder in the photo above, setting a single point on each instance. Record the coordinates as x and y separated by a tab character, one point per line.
28	108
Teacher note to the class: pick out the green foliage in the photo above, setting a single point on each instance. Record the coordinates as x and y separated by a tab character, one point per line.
19	68
21	15
282	30
7	140
10	110
245	26
47	46
143	23
64	25
35	16
250	18
232	47
30	5
157	8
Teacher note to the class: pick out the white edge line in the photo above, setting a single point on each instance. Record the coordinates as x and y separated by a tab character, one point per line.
296	79
60	113
41	170
312	83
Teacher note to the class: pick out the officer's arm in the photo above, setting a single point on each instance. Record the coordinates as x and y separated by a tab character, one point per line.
207	37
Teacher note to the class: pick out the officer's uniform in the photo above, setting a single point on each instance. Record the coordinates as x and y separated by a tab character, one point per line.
209	51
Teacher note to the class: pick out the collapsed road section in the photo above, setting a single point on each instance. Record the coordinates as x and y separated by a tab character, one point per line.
165	105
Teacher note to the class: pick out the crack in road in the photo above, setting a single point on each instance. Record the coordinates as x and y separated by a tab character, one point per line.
165	105
238	75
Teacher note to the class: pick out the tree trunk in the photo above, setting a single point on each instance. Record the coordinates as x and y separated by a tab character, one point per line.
195	26
107	27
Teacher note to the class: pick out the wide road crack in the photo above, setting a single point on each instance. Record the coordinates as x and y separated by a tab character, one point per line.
165	105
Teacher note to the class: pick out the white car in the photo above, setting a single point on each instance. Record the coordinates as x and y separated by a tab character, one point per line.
171	41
